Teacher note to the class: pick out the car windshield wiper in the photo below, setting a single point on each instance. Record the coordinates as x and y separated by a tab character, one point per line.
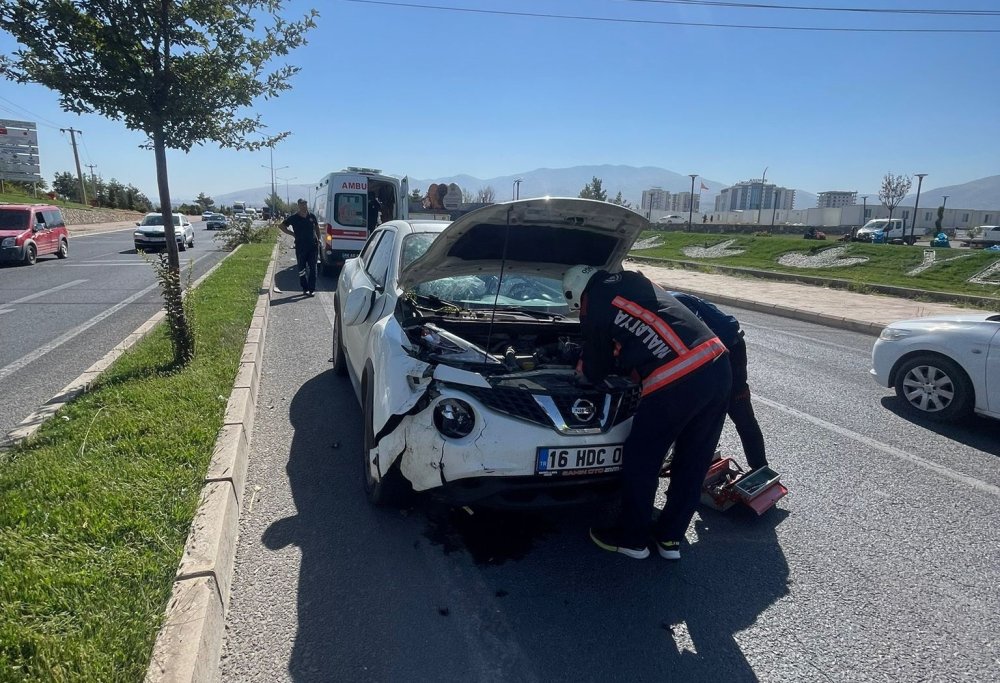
434	303
529	311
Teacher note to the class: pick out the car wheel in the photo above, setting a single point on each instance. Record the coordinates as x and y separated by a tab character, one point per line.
181	246
392	489
339	361
30	255
935	387
63	249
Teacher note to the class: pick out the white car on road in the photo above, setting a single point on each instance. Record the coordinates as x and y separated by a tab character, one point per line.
942	367
459	345
150	234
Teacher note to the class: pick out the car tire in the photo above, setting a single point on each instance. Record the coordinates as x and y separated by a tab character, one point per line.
392	489
935	387
339	361
181	246
30	255
63	249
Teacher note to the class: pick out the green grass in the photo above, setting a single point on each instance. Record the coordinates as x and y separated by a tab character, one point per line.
887	264
94	513
15	196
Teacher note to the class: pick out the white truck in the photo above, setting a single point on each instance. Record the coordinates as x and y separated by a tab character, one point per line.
889	229
348	205
986	236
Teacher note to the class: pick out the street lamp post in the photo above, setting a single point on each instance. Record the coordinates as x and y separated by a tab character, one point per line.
864	209
515	191
916	206
691	199
288	202
760	202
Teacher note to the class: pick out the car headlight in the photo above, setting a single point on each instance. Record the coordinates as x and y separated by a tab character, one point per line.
8	241
894	334
136	234
454	418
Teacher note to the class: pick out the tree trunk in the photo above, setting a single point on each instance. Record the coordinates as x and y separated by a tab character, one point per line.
181	337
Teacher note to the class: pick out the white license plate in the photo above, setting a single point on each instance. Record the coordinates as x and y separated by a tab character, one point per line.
579	460
350	254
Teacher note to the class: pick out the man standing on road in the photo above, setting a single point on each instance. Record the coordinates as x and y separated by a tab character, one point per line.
634	328
305	230
740	411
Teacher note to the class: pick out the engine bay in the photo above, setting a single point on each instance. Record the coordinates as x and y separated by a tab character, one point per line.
500	347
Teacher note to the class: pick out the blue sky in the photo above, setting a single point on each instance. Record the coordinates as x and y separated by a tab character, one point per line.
435	93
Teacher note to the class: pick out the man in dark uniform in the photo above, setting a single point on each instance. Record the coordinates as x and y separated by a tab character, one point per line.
633	328
304	227
740	411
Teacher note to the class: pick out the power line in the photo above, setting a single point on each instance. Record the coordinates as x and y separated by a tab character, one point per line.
658	22
867	10
27	112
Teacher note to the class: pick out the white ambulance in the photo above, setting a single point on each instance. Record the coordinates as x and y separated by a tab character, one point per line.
349	204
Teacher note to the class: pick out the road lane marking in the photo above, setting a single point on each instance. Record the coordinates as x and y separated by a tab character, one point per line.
36	295
805	337
955	475
41	351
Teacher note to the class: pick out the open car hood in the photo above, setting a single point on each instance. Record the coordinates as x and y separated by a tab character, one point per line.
530	236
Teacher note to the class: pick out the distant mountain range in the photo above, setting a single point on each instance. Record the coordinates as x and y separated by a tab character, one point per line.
631	181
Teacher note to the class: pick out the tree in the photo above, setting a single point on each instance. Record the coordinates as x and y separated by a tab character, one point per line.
415	195
940	217
621	202
467	196
65	184
894	189
180	72
204	201
593	190
486	195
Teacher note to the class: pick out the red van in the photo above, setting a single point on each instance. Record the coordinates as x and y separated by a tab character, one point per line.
28	231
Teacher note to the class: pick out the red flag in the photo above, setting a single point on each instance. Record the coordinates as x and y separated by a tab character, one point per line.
704	186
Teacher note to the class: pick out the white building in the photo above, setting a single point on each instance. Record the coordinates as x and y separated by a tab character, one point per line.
846	217
833	199
655	199
754	195
680	202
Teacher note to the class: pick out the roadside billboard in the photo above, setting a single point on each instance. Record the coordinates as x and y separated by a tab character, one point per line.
19	151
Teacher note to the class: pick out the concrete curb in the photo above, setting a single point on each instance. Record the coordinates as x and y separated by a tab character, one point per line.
29	426
189	643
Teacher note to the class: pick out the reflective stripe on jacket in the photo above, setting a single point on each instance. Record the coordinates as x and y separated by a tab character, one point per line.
632	327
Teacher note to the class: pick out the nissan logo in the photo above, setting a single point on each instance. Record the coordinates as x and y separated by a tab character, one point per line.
583	410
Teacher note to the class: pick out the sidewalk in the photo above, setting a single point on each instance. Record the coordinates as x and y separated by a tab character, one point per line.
866	313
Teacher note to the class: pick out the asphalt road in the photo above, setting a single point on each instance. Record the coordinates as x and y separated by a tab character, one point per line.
881	564
59	317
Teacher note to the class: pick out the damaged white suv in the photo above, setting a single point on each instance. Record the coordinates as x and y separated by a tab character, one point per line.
461	350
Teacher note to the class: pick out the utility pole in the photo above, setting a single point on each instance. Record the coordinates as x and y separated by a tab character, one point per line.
760	203
916	207
691	200
93	178
79	173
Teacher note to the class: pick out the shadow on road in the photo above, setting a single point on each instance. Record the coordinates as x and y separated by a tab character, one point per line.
981	433
426	595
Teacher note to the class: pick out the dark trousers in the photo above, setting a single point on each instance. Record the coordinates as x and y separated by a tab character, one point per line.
740	410
305	260
689	414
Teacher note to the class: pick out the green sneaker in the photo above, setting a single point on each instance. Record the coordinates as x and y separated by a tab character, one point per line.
669	550
609	539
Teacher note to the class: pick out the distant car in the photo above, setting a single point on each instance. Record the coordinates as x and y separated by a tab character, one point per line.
672	219
460	346
150	234
28	231
216	221
942	367
883	230
241	217
206	215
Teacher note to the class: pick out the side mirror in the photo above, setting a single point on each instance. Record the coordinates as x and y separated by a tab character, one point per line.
38	226
358	305
137	224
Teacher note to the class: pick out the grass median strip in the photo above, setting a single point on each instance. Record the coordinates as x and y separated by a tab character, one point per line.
95	512
888	264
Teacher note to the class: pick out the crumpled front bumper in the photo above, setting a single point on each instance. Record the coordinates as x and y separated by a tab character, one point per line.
497	460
